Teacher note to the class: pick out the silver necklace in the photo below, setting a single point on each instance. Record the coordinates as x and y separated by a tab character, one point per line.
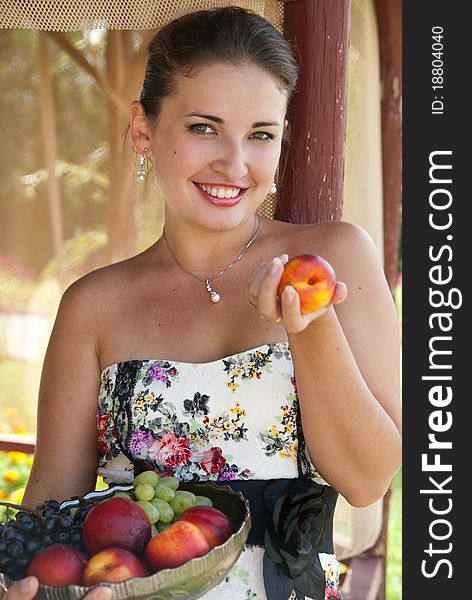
214	296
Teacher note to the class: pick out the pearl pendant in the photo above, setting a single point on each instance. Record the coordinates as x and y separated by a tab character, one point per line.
214	296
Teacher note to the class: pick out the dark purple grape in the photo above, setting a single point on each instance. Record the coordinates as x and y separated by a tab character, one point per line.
26	527
49	523
65	521
62	537
20	536
23	562
15	549
75	537
21	515
36	529
48	512
45	538
31	547
9	533
54	504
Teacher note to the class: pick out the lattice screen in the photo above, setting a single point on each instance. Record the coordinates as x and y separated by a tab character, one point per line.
75	15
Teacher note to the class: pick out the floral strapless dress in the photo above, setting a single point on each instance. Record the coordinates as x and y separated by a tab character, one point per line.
236	418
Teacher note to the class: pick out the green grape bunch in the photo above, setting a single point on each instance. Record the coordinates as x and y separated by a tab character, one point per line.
161	499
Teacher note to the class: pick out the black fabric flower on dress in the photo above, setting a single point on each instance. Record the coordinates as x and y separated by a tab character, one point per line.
298	513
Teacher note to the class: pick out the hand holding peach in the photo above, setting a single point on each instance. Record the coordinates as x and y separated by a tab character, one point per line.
313	278
294	292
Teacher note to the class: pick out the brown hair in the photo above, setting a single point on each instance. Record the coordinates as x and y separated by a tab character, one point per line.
232	35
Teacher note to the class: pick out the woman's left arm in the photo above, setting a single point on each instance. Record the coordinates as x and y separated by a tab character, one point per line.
346	362
346	365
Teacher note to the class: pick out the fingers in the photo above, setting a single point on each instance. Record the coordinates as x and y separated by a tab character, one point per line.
23	590
340	293
261	289
290	306
99	593
268	301
27	588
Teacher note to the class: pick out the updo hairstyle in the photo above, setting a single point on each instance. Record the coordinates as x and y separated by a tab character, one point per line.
223	35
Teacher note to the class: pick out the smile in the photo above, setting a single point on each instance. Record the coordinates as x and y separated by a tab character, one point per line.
223	196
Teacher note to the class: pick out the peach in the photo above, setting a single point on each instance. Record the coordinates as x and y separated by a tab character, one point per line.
116	522
313	278
214	524
113	565
58	565
174	546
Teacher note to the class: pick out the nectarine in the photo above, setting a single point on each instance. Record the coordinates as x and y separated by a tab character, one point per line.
174	546
58	565
113	565
116	522
209	520
313	278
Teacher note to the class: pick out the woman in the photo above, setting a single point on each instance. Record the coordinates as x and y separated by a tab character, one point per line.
147	334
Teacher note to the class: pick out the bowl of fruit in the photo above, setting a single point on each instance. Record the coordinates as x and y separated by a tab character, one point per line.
158	538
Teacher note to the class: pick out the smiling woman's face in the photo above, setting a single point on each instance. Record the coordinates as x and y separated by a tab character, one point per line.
219	135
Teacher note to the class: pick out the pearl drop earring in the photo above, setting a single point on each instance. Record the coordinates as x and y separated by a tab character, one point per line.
273	188
141	172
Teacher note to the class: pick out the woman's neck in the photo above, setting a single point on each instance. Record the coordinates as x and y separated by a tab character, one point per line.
205	252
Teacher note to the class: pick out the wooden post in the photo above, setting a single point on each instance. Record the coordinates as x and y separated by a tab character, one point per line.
389	16
121	221
313	164
48	114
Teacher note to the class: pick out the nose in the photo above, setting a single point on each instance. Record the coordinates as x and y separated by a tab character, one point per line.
232	162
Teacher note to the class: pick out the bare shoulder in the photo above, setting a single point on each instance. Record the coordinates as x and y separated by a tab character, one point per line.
91	297
345	245
355	259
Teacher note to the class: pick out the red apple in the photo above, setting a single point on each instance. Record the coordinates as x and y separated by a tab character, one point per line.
116	522
313	278
113	565
174	546
208	519
58	565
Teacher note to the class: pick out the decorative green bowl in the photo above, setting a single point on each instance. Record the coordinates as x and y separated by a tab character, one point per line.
192	579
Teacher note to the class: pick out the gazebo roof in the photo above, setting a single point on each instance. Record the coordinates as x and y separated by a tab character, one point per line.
77	15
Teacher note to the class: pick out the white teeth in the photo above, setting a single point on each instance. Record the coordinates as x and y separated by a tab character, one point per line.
220	192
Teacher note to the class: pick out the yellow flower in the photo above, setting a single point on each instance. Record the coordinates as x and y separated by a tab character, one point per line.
17	457
11	412
3	494
29	461
10	476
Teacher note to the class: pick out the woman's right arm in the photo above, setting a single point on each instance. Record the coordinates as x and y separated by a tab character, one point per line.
65	458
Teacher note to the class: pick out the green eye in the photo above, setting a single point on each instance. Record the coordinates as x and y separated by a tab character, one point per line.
201	128
262	135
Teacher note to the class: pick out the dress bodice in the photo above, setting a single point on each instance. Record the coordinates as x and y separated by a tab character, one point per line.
232	418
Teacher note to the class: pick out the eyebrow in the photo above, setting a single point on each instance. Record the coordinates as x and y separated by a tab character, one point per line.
221	121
